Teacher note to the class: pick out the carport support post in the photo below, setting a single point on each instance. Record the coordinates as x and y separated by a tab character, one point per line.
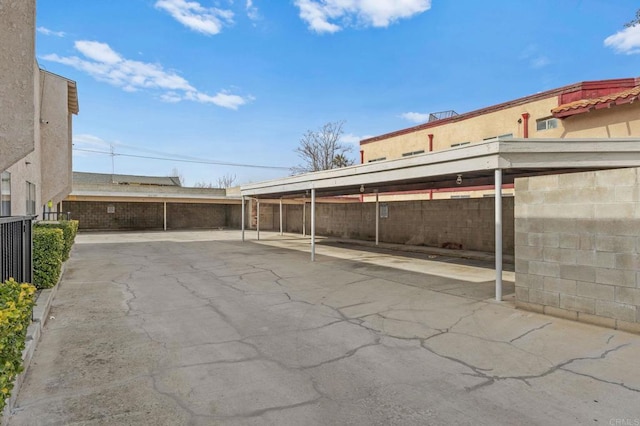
242	226
164	215
258	217
280	216
313	224
377	218
304	218
498	214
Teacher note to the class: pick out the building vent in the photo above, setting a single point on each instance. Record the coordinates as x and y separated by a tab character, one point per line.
434	116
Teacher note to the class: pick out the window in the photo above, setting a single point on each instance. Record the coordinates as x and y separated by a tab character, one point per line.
409	154
377	159
547	123
31	199
5	194
460	196
453	145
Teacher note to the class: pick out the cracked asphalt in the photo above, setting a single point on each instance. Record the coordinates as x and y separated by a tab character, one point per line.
197	328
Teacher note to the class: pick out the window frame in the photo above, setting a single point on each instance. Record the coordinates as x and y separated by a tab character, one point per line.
5	194
546	121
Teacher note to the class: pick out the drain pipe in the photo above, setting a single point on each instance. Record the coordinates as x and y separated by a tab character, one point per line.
430	141
525	125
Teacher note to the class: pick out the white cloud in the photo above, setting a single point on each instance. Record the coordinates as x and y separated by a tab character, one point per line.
86	140
104	64
191	14
350	138
84	145
539	61
626	41
99	52
330	16
415	117
48	32
532	55
252	11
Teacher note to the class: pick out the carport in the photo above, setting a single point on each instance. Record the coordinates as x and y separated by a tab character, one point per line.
496	163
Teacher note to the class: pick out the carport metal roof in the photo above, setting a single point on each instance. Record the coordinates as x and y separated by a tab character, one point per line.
489	163
476	163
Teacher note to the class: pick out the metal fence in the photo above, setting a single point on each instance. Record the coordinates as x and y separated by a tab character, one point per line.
16	249
56	215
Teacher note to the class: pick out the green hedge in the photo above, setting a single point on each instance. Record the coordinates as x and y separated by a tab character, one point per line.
16	305
48	250
69	231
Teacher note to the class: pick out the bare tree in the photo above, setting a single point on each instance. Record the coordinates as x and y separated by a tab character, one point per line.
203	184
322	149
227	180
177	174
224	181
635	21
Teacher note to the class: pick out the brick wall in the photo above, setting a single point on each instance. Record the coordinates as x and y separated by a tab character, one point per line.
467	222
577	246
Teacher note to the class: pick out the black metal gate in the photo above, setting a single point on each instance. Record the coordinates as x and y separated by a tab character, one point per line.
16	260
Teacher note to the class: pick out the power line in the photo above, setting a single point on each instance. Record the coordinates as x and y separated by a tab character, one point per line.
219	163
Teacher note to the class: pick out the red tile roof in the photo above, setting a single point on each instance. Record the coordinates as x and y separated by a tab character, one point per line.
586	105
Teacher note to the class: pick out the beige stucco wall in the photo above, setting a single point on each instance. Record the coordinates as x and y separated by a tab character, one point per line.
473	130
35	123
17	52
28	168
618	121
56	141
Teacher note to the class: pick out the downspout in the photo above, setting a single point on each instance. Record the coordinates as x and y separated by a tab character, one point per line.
361	162
525	117
430	149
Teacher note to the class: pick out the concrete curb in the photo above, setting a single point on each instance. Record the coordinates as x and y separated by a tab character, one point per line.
34	331
465	254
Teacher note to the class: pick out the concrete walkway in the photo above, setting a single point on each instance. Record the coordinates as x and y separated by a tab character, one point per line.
198	328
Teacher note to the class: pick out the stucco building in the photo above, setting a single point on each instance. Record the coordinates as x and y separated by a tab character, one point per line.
36	110
590	109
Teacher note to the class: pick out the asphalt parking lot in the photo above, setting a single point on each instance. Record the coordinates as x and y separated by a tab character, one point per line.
198	328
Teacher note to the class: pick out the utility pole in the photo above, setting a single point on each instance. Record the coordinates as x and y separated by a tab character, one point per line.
113	155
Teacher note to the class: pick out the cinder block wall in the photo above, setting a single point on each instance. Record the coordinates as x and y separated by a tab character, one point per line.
467	222
194	216
577	246
94	215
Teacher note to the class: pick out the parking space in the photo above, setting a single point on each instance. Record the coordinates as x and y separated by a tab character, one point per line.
199	328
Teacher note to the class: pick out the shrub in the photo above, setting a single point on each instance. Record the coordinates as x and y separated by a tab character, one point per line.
69	231
16	305
48	248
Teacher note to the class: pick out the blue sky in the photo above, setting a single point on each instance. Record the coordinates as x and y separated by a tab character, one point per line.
240	81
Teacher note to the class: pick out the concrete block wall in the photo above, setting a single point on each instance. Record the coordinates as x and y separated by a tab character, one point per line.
94	215
577	246
468	223
194	216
